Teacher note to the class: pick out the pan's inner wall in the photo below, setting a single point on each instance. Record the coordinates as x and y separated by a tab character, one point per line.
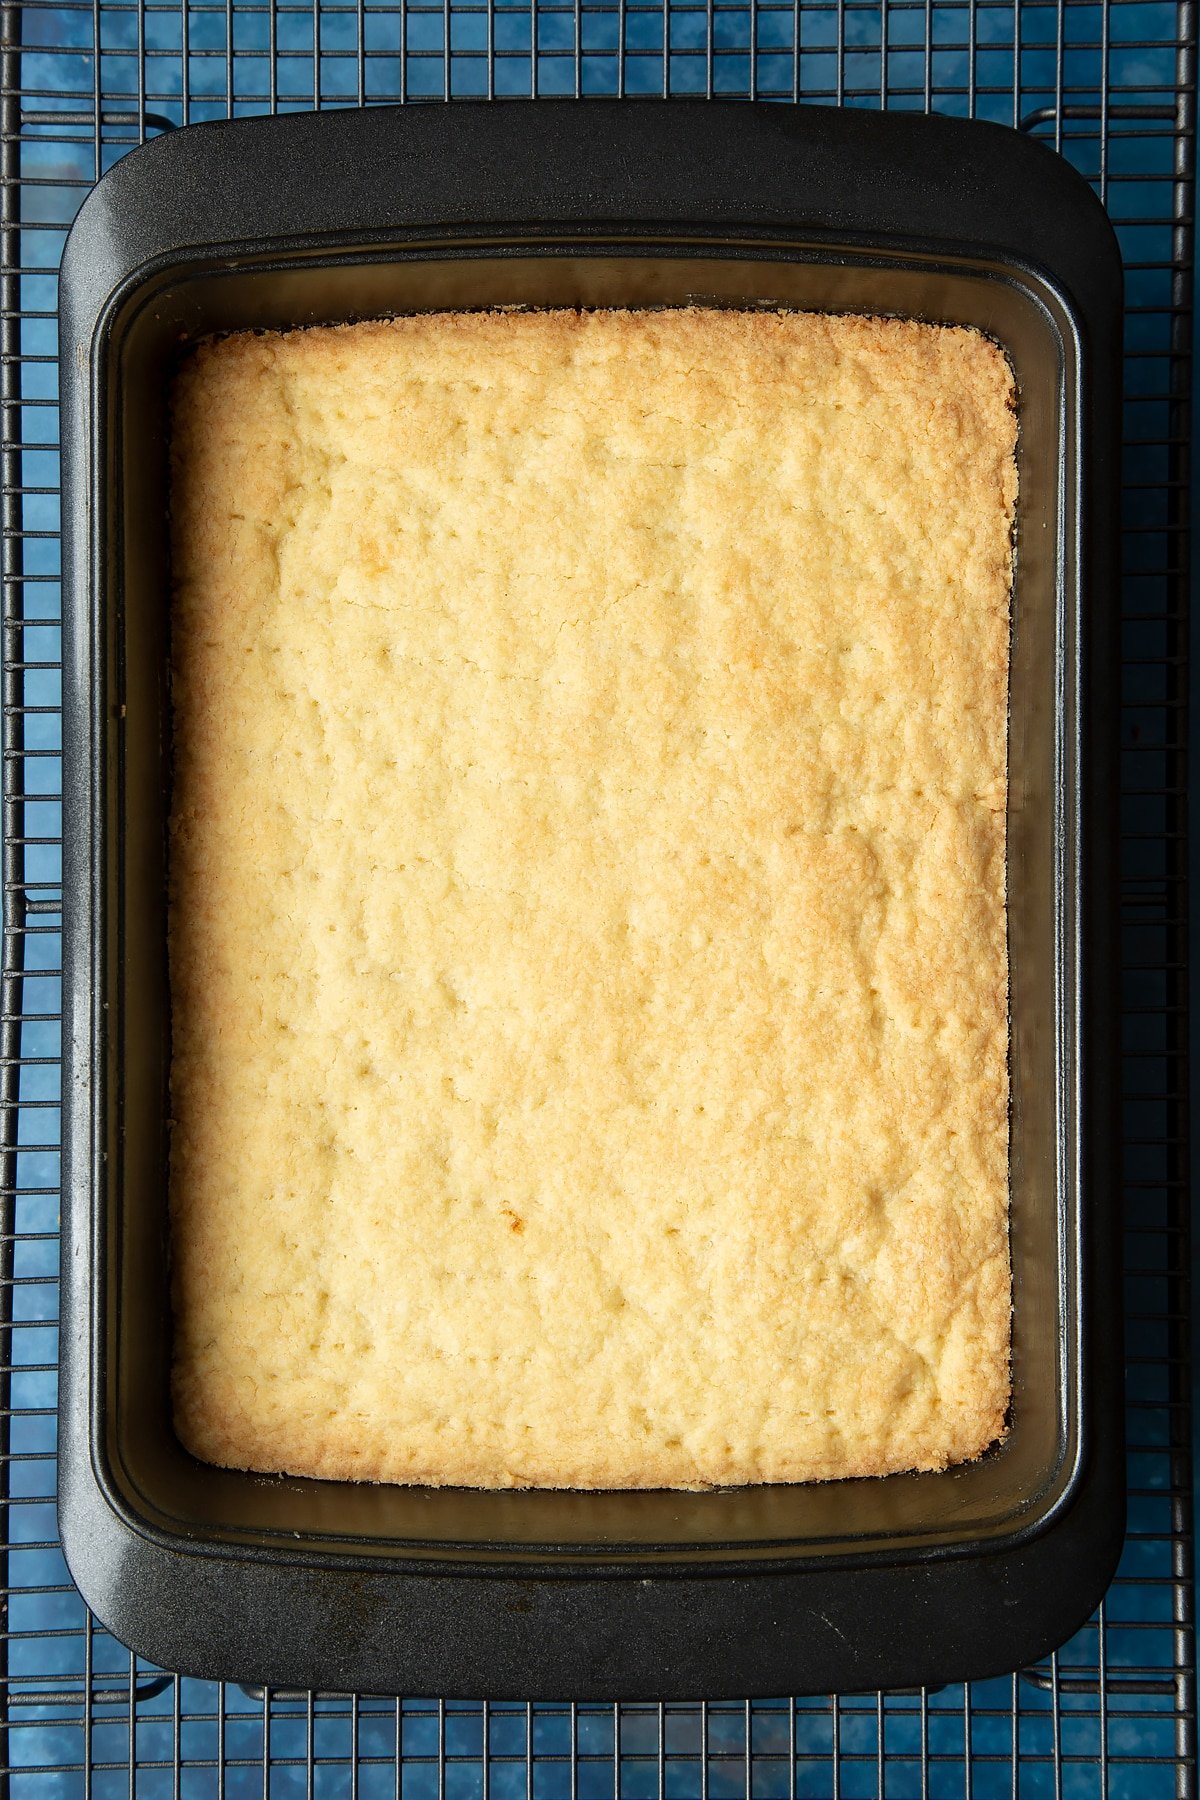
1011	1488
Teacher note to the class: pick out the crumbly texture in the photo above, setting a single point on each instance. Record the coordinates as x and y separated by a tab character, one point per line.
588	930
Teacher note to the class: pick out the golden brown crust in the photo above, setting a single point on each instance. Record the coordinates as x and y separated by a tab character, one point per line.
587	933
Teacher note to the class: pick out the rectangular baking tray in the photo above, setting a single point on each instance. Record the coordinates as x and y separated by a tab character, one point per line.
908	1580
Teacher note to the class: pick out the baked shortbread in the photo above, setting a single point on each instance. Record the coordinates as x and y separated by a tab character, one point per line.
587	928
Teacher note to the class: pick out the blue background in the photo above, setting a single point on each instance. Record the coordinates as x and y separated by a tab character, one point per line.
1106	1715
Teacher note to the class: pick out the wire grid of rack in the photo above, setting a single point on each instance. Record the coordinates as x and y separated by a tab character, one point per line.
1111	85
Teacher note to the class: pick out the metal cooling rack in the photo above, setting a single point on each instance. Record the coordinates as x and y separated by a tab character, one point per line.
1112	86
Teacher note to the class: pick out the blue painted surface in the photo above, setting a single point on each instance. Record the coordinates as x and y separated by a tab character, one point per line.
1000	1737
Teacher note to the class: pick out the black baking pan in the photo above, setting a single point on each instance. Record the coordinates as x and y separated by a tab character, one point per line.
858	1584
